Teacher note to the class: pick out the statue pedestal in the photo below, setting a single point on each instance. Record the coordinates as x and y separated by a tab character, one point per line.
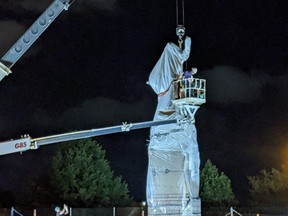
193	208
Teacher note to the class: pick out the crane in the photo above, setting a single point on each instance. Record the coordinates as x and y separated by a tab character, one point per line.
193	94
27	143
173	168
31	35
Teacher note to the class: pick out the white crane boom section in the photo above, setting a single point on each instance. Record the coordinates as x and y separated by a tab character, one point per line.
31	35
27	143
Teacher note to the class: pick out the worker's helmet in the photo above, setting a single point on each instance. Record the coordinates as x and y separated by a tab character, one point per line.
194	70
57	209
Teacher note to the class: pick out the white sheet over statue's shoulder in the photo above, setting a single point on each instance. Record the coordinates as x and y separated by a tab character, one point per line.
169	65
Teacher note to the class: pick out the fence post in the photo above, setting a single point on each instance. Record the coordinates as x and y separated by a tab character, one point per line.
143	204
114	211
34	212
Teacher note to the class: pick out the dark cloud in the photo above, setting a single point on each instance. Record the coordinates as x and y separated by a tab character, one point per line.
97	112
228	85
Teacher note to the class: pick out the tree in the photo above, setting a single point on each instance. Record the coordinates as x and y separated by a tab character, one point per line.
84	177
215	188
269	187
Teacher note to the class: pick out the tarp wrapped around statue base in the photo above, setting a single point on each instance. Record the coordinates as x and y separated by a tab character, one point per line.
173	168
193	208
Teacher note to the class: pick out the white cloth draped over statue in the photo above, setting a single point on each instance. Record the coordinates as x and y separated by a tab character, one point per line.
173	168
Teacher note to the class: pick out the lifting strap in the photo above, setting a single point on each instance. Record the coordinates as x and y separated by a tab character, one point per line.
164	92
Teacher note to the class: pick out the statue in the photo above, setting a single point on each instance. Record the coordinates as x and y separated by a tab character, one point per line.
173	169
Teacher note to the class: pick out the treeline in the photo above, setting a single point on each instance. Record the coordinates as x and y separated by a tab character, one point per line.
82	177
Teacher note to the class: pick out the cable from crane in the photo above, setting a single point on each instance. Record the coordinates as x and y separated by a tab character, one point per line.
180	29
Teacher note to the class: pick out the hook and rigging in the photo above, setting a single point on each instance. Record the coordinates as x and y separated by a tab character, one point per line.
180	29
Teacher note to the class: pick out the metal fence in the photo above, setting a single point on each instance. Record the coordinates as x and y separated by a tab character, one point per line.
127	211
138	211
246	211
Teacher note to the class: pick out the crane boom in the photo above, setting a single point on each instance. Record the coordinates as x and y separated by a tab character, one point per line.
27	143
31	35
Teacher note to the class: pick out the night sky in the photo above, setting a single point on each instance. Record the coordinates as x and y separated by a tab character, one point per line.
89	70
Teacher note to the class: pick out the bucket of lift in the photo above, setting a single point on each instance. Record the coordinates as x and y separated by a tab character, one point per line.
189	91
188	94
